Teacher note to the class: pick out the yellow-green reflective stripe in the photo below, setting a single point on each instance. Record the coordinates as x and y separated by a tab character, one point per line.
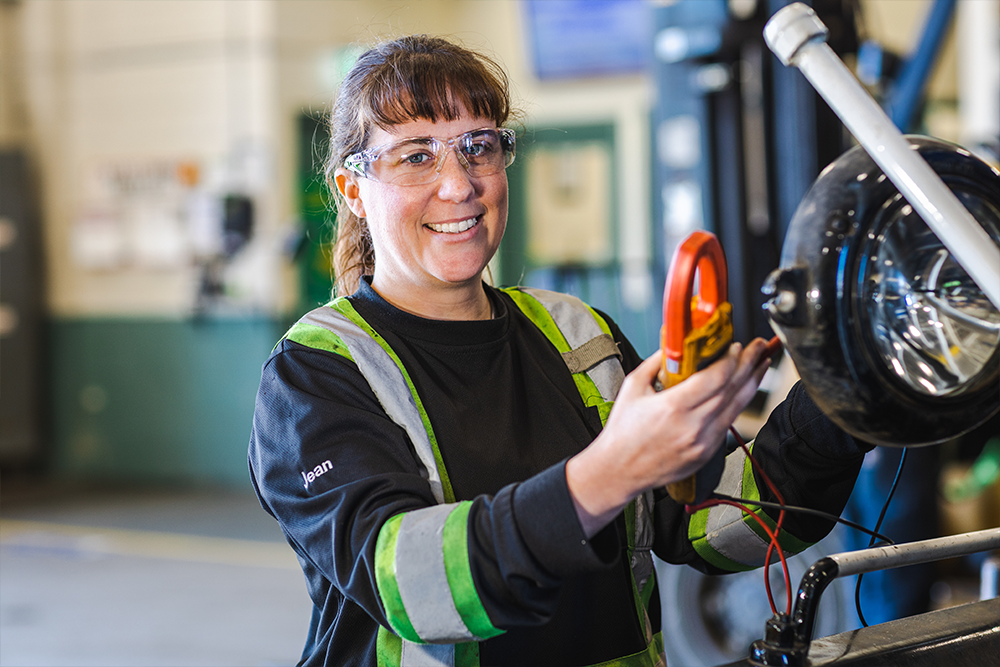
541	317
750	491
651	656
389	651
388	648
385	578
536	312
789	543
607	375
749	485
318	338
604	410
466	654
722	537
344	307
725	536
459	572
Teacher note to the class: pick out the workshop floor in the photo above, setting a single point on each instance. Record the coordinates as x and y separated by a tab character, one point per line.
145	578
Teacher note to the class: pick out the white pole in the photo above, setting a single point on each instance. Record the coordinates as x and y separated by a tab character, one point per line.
798	37
912	553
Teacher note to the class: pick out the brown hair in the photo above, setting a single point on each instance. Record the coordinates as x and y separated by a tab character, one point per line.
415	77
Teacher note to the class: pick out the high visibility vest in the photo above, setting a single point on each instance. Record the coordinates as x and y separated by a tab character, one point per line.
429	596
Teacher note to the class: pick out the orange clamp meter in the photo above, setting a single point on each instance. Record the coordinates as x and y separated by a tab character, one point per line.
697	330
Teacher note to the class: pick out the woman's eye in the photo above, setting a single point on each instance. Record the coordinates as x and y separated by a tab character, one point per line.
478	149
416	159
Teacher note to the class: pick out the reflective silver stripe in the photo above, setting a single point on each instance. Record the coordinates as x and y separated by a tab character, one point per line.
565	311
427	655
726	531
388	383
642	556
421	578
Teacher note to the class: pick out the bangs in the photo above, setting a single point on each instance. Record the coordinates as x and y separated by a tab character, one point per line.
437	87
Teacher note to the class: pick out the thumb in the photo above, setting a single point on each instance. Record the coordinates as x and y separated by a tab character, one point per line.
640	380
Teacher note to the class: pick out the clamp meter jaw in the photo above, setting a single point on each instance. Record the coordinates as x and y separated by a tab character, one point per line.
697	329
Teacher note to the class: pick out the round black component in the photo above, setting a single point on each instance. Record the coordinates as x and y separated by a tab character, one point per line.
890	336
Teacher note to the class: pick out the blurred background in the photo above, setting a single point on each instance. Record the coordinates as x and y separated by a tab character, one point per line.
163	219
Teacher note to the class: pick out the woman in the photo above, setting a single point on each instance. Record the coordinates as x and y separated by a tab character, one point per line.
443	456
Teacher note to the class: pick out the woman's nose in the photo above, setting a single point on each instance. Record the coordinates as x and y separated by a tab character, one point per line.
454	181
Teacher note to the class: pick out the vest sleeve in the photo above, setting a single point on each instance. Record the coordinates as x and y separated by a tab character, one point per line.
812	462
354	502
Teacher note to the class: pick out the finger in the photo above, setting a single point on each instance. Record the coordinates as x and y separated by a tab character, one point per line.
750	360
740	386
774	347
712	380
755	350
702	395
640	380
742	393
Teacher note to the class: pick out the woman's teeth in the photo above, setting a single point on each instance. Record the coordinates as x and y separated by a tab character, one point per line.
454	227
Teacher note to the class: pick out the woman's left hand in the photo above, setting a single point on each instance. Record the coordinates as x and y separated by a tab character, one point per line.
654	438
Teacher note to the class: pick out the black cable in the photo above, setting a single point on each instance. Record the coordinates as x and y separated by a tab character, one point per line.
809	510
878	524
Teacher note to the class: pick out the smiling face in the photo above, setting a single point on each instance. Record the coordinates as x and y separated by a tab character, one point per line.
435	239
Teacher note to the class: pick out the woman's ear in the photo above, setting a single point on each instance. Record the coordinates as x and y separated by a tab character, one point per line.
347	183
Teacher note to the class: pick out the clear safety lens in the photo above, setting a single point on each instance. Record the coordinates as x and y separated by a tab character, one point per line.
419	160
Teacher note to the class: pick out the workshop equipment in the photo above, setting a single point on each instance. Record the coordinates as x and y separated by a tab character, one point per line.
697	329
798	37
909	290
892	339
887	303
788	639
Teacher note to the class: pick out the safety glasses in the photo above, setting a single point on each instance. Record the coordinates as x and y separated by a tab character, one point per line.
419	160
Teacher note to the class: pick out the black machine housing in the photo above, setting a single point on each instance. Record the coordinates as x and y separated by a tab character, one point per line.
869	303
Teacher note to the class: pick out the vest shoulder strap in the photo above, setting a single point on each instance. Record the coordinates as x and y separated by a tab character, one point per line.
581	336
337	327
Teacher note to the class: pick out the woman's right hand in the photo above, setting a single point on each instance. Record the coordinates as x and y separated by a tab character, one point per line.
654	438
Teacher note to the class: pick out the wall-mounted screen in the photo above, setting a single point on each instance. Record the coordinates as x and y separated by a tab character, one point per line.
583	38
